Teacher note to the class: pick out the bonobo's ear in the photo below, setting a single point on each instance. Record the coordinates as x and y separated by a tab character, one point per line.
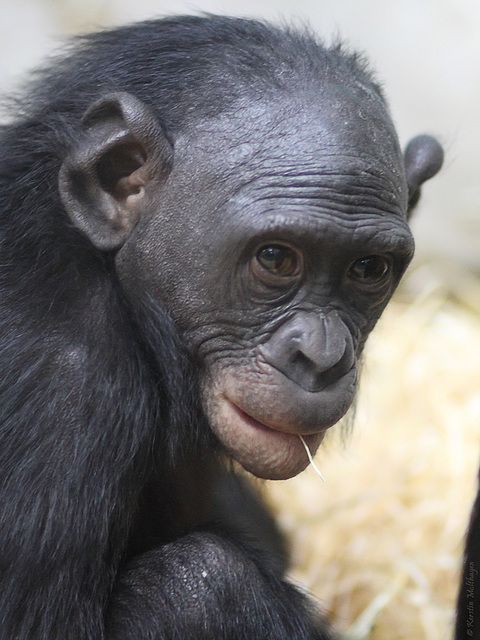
423	158
103	181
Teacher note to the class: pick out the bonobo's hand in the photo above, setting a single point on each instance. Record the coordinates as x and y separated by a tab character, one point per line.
177	591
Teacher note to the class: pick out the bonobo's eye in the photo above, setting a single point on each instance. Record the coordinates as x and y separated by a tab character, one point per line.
370	270
277	261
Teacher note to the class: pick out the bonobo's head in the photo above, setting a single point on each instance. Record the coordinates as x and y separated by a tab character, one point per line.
275	232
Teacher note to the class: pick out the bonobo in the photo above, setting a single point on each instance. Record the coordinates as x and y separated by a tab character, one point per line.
202	219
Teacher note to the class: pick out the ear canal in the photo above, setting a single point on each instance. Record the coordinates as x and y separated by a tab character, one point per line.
119	170
122	153
423	158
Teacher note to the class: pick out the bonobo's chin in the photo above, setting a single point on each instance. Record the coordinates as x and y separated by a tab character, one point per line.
286	461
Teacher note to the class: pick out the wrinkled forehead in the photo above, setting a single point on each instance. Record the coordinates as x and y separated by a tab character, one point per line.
338	150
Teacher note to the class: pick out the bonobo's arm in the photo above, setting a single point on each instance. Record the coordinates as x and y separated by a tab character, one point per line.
206	587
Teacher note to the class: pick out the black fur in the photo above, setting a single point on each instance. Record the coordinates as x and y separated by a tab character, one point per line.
97	398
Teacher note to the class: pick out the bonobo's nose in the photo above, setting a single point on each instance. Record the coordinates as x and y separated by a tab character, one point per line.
311	349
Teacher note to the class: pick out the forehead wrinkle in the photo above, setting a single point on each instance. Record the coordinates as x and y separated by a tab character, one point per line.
331	201
320	221
321	164
364	192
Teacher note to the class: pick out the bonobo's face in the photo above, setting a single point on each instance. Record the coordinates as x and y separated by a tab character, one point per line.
276	243
275	235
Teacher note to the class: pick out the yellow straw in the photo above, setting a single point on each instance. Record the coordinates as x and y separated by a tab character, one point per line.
317	470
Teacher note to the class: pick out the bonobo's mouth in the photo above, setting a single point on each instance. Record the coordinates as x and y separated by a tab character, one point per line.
266	450
253	423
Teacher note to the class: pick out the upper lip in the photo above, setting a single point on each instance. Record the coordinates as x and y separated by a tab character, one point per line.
258	423
249	417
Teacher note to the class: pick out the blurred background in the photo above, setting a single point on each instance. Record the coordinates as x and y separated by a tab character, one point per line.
380	542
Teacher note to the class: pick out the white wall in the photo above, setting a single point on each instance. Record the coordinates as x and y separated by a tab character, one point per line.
427	52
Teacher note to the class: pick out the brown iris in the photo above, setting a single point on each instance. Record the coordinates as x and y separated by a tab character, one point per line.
279	260
370	270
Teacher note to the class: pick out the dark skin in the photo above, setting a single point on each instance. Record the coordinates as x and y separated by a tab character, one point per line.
202	220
